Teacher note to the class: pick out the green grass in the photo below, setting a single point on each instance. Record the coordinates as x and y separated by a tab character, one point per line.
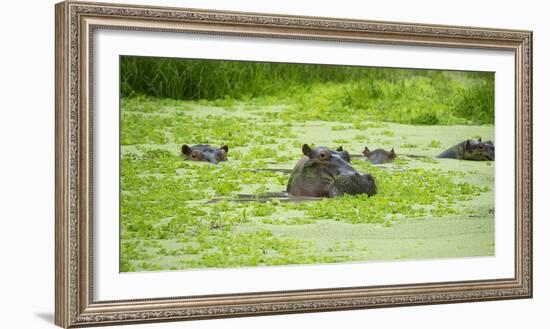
319	92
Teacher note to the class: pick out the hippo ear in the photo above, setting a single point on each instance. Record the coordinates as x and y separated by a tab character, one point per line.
185	149
392	154
366	152
306	150
225	148
340	148
479	139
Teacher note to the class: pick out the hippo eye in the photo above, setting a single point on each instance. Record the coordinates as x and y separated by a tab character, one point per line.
481	146
324	155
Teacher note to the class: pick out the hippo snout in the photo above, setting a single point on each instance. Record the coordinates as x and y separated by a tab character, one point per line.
356	183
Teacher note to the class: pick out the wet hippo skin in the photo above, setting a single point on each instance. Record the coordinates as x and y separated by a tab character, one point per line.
205	152
323	172
471	150
379	156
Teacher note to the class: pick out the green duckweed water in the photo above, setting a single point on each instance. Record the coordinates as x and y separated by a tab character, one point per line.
177	214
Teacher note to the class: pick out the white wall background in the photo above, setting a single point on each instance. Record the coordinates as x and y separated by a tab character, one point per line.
27	163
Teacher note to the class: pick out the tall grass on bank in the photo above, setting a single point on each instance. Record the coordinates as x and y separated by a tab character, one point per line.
390	94
193	79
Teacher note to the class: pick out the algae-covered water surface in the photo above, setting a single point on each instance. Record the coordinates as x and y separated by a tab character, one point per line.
179	214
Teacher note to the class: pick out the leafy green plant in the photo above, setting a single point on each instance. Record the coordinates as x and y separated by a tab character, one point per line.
400	95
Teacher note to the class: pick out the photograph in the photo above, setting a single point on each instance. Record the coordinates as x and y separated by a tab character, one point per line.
232	164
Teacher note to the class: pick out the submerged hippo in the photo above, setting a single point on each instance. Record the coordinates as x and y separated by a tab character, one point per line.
471	150
343	154
379	156
205	152
326	173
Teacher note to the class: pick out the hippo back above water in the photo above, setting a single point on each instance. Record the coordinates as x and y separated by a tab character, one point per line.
471	150
205	152
323	172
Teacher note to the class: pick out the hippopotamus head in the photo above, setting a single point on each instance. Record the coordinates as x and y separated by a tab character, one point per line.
379	156
204	152
323	172
478	150
343	154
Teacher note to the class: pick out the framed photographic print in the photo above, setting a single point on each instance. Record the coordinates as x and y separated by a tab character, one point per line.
218	164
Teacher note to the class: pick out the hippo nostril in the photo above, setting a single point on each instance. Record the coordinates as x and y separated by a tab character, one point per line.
211	158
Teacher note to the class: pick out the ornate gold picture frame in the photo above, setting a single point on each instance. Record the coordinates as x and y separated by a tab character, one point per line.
76	23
